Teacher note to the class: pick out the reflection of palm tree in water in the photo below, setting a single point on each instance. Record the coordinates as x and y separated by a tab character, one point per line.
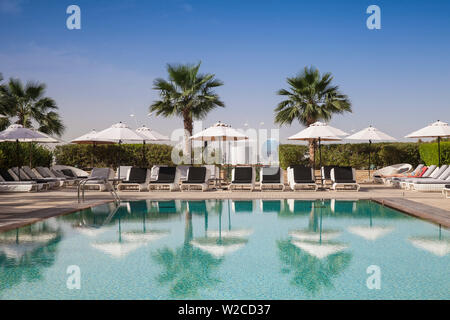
309	272
26	260
186	269
313	271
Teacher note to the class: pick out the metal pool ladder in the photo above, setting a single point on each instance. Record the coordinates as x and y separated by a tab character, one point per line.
110	187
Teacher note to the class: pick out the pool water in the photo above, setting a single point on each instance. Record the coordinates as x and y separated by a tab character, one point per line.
225	249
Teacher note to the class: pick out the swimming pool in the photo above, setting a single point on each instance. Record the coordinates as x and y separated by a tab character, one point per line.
226	249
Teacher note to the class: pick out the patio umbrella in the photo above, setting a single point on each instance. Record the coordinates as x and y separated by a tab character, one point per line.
319	131
18	133
90	138
219	132
120	133
151	135
372	134
437	130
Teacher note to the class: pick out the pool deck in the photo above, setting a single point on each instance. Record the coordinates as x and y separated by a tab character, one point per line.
20	209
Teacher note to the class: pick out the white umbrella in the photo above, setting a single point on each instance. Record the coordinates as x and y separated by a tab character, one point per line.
150	135
219	132
437	130
372	134
120	133
319	131
90	138
18	133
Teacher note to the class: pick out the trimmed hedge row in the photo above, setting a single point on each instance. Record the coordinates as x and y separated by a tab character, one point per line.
429	153
83	156
40	156
355	155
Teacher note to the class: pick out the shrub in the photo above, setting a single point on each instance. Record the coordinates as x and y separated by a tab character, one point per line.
355	155
429	153
291	154
84	156
40	155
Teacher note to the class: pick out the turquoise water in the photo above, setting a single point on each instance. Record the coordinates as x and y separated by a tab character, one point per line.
214	249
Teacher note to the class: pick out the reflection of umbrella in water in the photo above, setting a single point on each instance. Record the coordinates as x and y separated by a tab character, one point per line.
16	246
219	243
117	249
370	232
439	247
317	244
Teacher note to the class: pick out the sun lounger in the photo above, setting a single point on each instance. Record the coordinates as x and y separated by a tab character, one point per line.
242	178
399	182
14	172
71	171
446	191
9	184
432	172
53	183
197	179
301	178
167	178
70	177
124	171
396	170
439	174
272	178
99	179
136	179
344	178
46	174
432	185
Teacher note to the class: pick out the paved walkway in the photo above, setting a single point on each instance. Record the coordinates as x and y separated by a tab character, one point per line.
25	208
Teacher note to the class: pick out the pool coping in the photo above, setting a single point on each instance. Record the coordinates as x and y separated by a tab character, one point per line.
412	208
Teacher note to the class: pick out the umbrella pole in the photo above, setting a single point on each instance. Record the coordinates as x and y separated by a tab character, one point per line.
143	155
18	157
320	162
118	156
370	149
31	154
439	150
93	155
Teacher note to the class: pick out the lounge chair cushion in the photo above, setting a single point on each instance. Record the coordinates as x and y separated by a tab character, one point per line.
196	175
42	172
137	175
302	174
271	175
100	173
343	175
243	175
68	172
166	175
6	176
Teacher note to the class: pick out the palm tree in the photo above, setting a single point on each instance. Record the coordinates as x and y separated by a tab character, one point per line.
28	104
310	98
187	94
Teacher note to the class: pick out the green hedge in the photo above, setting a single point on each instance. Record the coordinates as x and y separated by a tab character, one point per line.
40	156
355	155
429	153
106	155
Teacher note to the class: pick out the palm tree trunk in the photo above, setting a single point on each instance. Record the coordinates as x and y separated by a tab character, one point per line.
187	134
312	150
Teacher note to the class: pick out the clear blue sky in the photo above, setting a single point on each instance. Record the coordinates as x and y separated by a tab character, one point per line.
398	78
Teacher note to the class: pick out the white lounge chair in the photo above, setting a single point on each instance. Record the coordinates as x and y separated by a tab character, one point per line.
446	191
136	179
301	178
8	184
272	178
167	178
197	179
99	179
344	178
242	178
